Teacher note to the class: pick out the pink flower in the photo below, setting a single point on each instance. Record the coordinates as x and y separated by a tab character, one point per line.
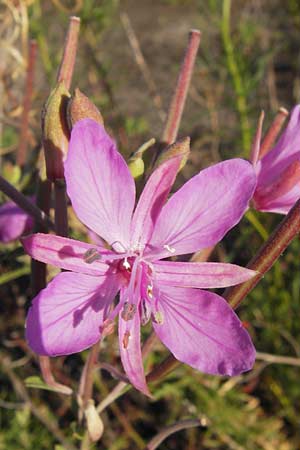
14	222
278	172
77	308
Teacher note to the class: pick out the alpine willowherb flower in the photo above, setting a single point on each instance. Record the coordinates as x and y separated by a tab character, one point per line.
77	307
278	172
14	222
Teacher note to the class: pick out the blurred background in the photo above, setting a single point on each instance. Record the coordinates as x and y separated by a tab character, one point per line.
248	60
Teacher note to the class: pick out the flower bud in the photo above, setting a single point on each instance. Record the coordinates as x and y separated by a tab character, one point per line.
180	147
81	107
55	131
94	422
136	164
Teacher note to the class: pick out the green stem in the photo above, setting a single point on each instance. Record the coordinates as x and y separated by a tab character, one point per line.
236	76
250	215
13	274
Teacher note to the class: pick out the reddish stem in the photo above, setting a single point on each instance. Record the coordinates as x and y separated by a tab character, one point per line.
255	150
87	379
22	201
66	68
22	149
61	212
65	74
182	86
273	132
282	236
48	377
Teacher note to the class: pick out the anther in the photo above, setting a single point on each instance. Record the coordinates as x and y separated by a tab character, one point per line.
107	327
150	291
126	339
128	312
158	317
91	255
145	312
169	248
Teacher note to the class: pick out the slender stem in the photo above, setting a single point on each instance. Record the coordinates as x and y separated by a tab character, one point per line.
45	367
88	375
117	391
171	429
278	359
22	149
22	201
181	90
61	211
38	269
236	76
169	364
142	64
257	139
273	132
66	68
148	345
250	215
202	255
13	274
268	254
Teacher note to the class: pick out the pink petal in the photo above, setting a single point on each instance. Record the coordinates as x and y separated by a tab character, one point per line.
65	253
66	317
286	151
281	194
200	275
203	210
13	222
280	205
99	183
202	330
152	200
130	351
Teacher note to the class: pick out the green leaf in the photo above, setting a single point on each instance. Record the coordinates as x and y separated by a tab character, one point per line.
37	383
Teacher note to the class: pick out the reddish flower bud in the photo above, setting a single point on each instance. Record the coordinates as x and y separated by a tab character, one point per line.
180	147
81	107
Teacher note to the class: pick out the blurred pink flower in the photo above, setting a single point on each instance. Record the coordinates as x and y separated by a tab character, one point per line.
14	222
77	308
278	172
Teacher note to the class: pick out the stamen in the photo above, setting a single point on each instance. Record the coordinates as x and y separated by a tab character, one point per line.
91	255
107	327
158	317
170	249
118	247
129	311
145	312
150	291
126	339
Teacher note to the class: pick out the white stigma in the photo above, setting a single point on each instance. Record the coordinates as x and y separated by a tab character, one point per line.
126	264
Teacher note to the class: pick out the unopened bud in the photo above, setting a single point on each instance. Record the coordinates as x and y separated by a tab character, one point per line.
180	147
94	422
55	131
81	107
136	164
